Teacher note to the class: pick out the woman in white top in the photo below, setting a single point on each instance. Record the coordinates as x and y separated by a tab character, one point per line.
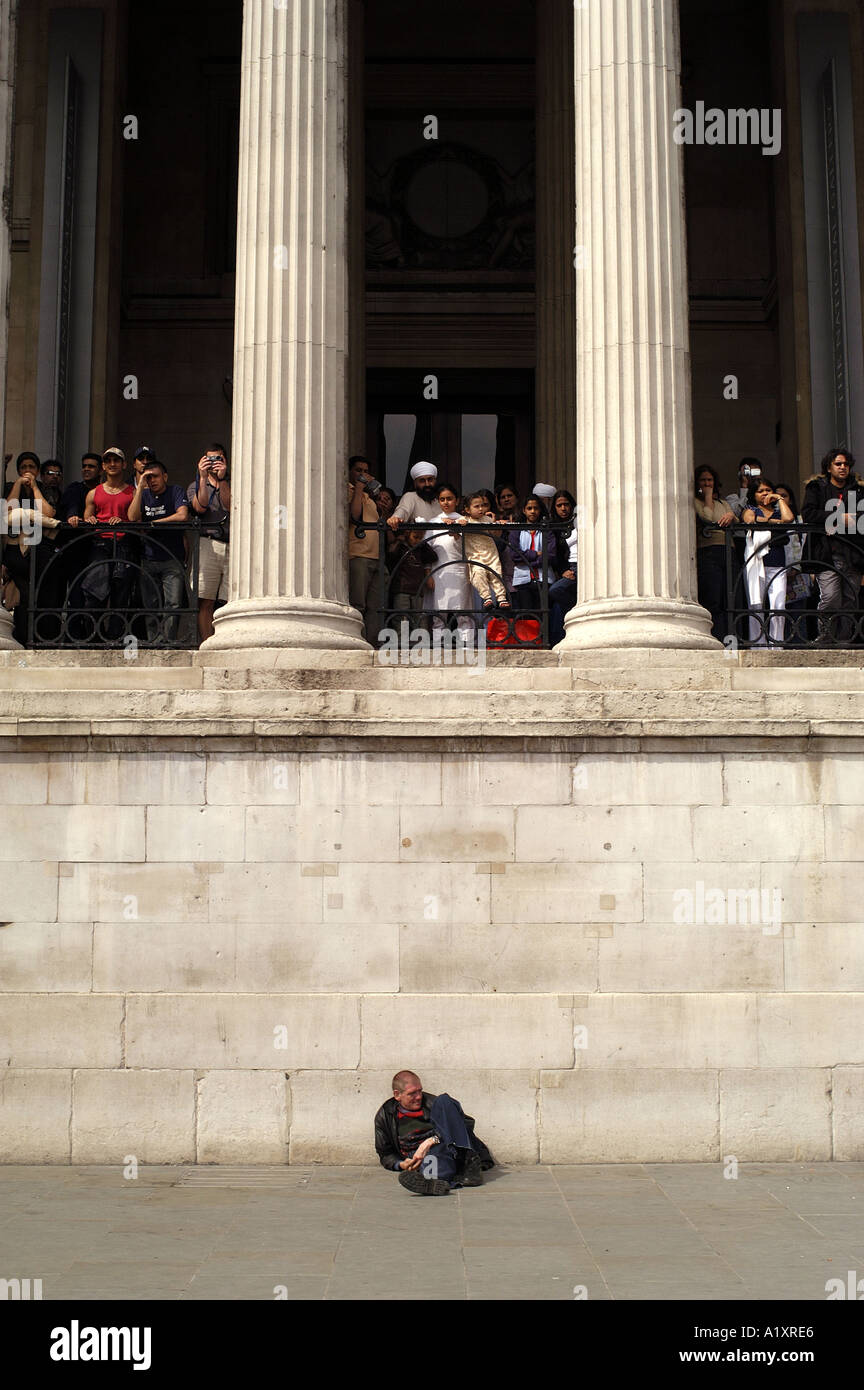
765	560
452	589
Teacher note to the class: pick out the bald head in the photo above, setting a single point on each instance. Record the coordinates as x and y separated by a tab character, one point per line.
408	1089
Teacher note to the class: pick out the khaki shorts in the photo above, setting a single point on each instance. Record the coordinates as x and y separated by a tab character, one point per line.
212	569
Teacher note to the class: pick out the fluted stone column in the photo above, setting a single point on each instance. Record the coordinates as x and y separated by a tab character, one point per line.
288	581
554	396
7	89
637	576
356	229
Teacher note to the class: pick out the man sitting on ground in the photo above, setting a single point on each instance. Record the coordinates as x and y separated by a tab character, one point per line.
428	1140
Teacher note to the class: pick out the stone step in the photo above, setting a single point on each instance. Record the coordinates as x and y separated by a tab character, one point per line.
695	674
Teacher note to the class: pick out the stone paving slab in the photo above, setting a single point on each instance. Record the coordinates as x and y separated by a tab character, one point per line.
618	1232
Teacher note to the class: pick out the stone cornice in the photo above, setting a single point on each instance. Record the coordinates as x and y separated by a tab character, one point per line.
520	700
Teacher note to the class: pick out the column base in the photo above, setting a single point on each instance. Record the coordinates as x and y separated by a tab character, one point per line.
286	622
635	622
7	641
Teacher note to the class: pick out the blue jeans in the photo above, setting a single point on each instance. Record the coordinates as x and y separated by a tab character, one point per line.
445	1160
163	586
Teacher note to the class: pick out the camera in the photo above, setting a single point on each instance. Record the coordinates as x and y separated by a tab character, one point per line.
372	486
751	471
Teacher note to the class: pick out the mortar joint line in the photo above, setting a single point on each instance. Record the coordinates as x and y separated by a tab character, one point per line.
71	1107
551	1170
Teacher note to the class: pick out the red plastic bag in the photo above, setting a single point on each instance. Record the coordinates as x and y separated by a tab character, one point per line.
513	632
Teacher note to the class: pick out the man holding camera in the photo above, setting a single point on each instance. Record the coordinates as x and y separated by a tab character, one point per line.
163	561
365	589
210	498
749	471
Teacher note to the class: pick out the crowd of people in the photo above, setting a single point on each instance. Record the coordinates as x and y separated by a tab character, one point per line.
96	586
780	577
102	571
458	559
451	560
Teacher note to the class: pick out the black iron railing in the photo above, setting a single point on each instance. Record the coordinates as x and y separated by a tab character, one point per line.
812	599
92	586
456	589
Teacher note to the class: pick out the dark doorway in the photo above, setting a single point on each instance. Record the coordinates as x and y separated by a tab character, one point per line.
450	241
479	432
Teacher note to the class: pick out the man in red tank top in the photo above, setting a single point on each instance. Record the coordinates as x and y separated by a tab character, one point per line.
109	501
109	578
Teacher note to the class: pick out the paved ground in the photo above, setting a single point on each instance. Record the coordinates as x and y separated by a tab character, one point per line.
631	1231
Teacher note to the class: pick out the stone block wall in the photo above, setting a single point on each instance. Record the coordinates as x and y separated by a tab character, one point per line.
223	956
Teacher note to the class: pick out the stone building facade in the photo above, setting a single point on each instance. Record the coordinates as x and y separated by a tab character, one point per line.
608	894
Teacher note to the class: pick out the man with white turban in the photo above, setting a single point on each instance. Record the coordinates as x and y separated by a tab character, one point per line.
545	491
419	505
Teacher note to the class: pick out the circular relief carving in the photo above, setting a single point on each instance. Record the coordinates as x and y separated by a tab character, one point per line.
446	199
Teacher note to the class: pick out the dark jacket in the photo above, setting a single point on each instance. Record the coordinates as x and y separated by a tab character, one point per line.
561	561
534	559
387	1134
818	493
409	566
73	499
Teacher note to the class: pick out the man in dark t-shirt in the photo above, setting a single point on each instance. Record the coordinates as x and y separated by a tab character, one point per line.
78	543
75	495
163	581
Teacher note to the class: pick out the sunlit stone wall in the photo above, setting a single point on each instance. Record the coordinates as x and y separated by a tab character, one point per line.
223	956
